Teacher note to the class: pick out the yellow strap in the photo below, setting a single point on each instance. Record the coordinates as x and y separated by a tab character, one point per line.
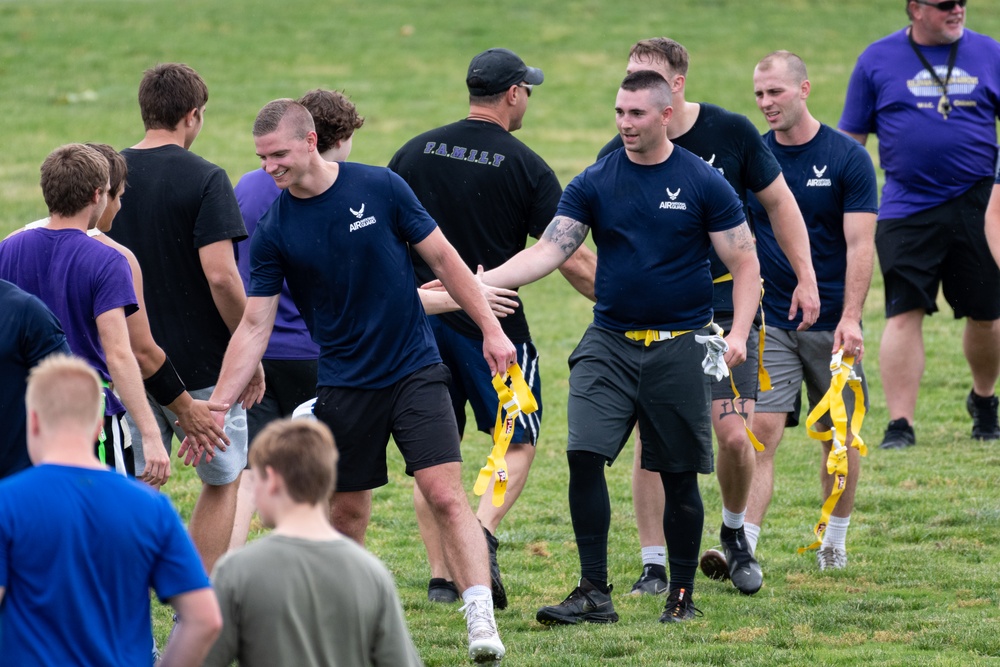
723	278
652	335
736	394
513	400
836	463
763	377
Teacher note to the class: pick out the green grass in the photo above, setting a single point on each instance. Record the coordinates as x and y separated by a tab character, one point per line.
925	569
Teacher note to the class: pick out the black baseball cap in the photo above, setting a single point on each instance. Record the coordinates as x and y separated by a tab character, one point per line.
495	70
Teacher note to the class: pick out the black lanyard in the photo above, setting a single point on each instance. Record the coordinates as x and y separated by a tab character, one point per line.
944	105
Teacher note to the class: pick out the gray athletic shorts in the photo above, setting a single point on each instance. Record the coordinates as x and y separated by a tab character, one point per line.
615	381
226	466
793	356
744	375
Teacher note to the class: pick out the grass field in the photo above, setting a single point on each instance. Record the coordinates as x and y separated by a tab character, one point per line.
922	586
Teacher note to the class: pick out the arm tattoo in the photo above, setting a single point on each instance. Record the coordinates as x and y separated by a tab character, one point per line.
739	238
566	233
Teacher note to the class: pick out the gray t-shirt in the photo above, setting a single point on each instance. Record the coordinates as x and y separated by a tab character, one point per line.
302	603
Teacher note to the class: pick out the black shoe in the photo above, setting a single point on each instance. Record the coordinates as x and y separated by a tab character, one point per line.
496	583
680	607
984	416
898	435
652	582
744	571
442	590
585	603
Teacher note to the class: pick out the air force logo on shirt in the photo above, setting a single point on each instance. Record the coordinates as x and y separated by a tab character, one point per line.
673	203
711	163
361	222
819	181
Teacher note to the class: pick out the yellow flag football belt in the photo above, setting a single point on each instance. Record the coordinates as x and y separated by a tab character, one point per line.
513	400
842	369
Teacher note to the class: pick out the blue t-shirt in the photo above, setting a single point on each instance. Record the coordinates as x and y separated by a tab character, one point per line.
344	256
78	278
29	332
927	160
651	225
79	551
830	175
290	338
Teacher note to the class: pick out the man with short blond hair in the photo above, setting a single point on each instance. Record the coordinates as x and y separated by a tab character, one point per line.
380	373
75	590
284	598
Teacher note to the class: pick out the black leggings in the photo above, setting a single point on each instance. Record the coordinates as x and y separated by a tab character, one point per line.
683	521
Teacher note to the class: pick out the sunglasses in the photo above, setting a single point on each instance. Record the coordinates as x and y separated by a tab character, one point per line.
528	86
945	6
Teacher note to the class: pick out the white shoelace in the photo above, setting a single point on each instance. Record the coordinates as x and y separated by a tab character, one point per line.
479	618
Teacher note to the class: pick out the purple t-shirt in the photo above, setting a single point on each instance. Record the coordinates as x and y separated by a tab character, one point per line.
927	160
78	278
290	338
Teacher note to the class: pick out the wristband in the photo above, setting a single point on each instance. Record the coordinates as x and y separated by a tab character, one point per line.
165	385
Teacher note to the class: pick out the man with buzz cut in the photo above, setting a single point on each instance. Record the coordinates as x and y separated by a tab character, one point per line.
655	210
516	193
731	144
284	598
339	234
180	218
931	94
834	184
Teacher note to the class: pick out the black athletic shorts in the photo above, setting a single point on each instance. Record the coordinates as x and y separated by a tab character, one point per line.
615	382
289	383
416	411
943	246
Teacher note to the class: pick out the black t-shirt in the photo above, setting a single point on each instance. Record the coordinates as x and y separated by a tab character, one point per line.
729	142
488	192
29	332
176	202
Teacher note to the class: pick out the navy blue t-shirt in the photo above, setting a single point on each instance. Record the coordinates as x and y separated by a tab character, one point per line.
830	175
729	142
344	256
651	225
29	332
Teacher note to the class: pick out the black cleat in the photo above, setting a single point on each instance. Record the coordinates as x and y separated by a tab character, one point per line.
744	571
442	590
585	603
898	435
652	582
714	565
983	411
680	607
496	583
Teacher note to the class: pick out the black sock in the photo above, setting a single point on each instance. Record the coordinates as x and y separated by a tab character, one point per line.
590	509
683	521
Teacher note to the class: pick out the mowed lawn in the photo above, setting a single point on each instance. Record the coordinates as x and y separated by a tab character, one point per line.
924	564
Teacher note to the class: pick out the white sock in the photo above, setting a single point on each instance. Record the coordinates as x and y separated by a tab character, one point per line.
752	532
479	591
836	532
733	519
654	556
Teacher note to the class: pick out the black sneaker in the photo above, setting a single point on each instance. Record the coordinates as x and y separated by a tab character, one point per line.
442	590
585	603
984	416
680	607
652	582
898	435
499	592
744	571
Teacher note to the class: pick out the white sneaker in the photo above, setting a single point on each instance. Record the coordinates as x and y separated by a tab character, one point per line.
484	640
831	558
